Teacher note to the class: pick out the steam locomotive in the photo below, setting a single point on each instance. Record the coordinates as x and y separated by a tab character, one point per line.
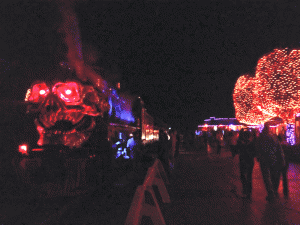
73	131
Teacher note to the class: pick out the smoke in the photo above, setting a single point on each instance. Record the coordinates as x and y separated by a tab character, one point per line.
70	29
91	54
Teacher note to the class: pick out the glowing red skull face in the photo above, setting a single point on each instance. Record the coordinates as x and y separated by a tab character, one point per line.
66	112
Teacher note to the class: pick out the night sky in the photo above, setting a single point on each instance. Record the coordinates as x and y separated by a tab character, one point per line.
182	58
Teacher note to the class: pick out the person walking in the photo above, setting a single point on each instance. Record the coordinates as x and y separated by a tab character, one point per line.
279	169
272	161
219	147
177	145
233	137
163	150
285	164
218	142
246	156
205	137
173	137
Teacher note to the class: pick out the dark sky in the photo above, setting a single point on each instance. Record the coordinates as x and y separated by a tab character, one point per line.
182	58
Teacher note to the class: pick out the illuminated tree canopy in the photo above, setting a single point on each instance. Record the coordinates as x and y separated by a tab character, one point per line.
273	92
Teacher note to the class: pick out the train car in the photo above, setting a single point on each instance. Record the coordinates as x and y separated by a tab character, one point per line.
72	132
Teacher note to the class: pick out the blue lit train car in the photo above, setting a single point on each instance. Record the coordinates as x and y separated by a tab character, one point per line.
127	114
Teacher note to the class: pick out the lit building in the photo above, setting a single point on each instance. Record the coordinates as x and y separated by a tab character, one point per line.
220	124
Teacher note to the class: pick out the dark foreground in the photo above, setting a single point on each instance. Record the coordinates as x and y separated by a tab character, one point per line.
204	189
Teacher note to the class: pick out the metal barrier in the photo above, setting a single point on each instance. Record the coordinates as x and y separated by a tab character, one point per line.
144	202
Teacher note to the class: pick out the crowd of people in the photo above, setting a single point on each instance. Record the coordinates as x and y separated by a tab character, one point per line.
248	144
267	149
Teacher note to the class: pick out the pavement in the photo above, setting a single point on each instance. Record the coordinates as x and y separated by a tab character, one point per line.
207	190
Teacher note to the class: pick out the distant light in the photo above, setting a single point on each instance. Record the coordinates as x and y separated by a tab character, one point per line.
169	128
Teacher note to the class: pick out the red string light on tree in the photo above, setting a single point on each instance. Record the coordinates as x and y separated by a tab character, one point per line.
244	97
273	92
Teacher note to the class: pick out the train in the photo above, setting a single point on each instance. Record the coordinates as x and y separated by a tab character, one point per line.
72	131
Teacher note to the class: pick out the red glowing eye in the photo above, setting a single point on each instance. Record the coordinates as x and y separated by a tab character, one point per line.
68	92
38	92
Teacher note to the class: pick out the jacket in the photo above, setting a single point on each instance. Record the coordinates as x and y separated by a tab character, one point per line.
270	151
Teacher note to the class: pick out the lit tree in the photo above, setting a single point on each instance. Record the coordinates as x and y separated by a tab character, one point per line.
243	98
273	92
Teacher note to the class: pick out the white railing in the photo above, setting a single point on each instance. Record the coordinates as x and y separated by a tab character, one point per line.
144	202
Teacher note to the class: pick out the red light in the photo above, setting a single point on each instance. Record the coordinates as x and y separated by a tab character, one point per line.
38	92
68	92
37	149
42	92
272	92
23	149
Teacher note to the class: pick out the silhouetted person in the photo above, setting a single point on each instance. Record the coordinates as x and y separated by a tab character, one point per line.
177	146
163	149
205	137
272	160
233	143
280	168
238	143
283	171
173	137
247	154
218	142
218	147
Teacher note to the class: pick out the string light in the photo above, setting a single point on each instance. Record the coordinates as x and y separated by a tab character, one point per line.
290	134
273	92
